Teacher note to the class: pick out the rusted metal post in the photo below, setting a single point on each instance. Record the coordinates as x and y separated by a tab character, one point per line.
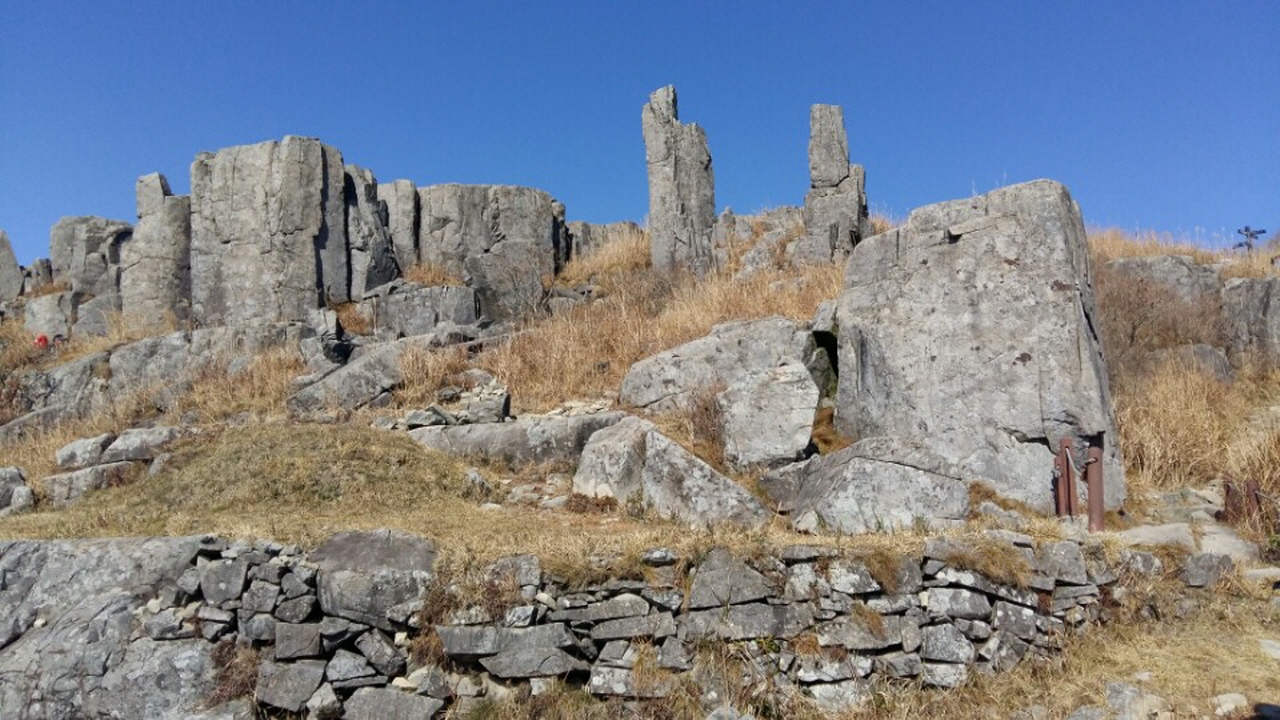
1093	481
1066	485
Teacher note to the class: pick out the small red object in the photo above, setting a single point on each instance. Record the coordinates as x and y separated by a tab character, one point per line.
42	342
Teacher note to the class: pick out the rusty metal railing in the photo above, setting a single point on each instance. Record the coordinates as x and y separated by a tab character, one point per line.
1067	500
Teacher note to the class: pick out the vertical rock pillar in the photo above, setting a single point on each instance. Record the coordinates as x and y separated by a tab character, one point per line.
835	208
10	271
155	264
682	203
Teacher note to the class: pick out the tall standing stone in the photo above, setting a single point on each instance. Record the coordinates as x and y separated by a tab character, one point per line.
401	198
268	232
507	242
155	264
10	271
372	260
972	329
682	201
835	208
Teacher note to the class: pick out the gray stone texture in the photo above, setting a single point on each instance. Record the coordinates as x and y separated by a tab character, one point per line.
682	204
10	271
372	258
877	484
288	686
504	241
972	328
364	574
835	208
50	315
404	309
586	239
1181	275
268	233
389	704
401	200
1251	307
85	252
155	264
66	488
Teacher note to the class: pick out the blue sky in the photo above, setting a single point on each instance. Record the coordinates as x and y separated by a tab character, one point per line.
1157	115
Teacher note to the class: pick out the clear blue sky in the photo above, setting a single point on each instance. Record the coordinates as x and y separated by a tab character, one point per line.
1157	115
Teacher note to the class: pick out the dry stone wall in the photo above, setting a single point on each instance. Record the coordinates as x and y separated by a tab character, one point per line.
337	628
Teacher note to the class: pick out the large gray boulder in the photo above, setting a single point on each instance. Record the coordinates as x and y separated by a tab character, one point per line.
1251	307
367	380
671	380
835	208
971	328
401	200
532	438
373	262
155	264
10	271
682	200
268	232
403	309
85	252
633	462
365	574
504	241
15	495
760	374
876	485
50	315
66	623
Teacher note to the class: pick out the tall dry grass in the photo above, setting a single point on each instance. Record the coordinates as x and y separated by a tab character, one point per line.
586	351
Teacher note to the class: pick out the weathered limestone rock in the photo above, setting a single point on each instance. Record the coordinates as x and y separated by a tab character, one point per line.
50	315
877	484
15	495
288	686
768	417
532	438
835	209
1251	307
155	264
85	250
65	629
84	452
389	704
682	201
68	487
401	199
527	662
731	353
10	271
404	309
971	328
502	240
367	380
364	574
140	443
95	316
372	259
633	462
268	233
37	275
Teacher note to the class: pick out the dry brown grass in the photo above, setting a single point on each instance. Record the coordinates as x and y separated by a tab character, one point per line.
352	320
585	352
1112	243
257	391
426	371
431	275
49	289
237	671
625	256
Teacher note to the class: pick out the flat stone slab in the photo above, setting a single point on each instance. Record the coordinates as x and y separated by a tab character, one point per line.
532	662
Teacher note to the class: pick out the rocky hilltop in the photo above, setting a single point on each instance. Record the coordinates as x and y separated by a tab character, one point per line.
926	393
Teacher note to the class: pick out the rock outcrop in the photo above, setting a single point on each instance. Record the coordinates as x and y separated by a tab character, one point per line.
401	199
10	271
682	201
155	264
268	232
506	242
1251	307
835	208
971	328
85	253
372	258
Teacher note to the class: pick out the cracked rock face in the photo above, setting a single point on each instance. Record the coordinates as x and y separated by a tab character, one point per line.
10	271
268	232
971	328
155	264
85	251
682	200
